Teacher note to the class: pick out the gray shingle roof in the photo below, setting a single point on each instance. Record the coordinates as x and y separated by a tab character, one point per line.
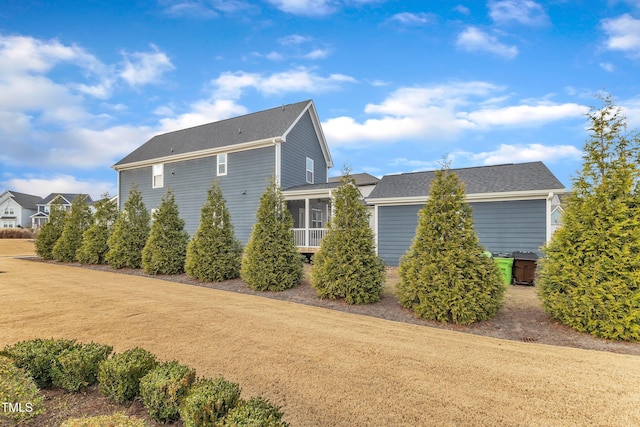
27	201
67	196
257	126
361	179
477	180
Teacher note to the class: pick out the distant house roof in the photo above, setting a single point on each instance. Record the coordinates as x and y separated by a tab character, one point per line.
67	196
27	201
259	126
505	178
361	179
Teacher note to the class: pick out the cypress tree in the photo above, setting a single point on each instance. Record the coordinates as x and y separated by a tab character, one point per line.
51	230
347	266
76	223
444	275
130	233
166	248
271	261
589	278
214	254
94	241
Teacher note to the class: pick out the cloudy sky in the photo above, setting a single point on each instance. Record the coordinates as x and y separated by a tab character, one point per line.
398	85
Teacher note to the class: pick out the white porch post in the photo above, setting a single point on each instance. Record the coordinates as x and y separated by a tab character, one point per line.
548	216
306	222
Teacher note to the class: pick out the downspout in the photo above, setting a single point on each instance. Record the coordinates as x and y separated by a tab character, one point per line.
278	164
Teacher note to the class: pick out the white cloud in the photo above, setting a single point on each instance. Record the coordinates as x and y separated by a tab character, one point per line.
203	9
519	115
411	19
141	68
306	7
520	12
474	40
462	9
516	153
317	54
608	66
294	39
231	85
442	112
623	34
201	112
60	184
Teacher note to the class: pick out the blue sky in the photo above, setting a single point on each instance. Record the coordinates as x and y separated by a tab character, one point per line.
398	85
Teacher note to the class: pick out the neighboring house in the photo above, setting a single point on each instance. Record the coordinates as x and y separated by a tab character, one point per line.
41	217
16	209
512	207
242	153
557	211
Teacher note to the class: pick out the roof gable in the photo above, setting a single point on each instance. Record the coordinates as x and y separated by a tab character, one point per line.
260	126
27	201
67	198
506	178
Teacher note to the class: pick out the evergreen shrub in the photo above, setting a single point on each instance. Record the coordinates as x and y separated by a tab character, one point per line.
77	367
18	387
347	266
271	261
255	412
589	278
37	356
94	245
130	233
214	254
163	389
51	231
166	247
119	376
76	223
208	401
444	276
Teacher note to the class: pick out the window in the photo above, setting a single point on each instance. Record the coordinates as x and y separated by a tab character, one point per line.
316	218
158	176
222	164
309	170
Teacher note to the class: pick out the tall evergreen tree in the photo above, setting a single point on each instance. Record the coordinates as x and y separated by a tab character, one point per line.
76	223
589	278
214	254
166	247
444	275
271	261
94	241
130	233
347	266
51	230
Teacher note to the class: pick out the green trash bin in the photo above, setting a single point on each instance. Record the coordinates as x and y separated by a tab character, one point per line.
505	264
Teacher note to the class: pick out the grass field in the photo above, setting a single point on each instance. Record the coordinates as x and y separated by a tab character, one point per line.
323	367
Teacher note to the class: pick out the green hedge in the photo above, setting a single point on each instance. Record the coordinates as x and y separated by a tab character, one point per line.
163	389
119	376
18	389
208	401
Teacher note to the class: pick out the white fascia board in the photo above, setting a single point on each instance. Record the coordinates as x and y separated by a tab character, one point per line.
252	145
312	194
477	197
318	128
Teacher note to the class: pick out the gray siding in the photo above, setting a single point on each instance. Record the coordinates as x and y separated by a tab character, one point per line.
501	227
302	142
248	174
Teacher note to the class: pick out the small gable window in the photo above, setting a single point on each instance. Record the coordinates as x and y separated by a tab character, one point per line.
309	170
222	164
158	176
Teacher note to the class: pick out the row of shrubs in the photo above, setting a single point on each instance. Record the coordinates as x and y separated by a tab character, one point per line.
16	233
168	390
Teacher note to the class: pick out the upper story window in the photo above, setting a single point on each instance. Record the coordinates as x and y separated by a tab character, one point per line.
222	164
8	211
309	170
158	176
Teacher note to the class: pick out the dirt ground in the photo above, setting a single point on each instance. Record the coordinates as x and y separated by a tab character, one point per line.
326	366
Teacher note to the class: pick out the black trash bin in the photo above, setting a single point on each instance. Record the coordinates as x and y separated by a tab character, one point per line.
524	268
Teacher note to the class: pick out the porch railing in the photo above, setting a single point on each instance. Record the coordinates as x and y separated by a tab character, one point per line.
309	237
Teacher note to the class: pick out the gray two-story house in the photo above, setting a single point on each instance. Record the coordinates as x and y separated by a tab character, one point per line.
243	153
41	217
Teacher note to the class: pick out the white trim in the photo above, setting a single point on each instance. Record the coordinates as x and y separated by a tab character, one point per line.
548	217
200	154
278	166
307	170
479	197
301	194
375	227
154	174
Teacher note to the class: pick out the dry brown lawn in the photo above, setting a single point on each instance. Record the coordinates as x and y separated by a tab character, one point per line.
323	367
